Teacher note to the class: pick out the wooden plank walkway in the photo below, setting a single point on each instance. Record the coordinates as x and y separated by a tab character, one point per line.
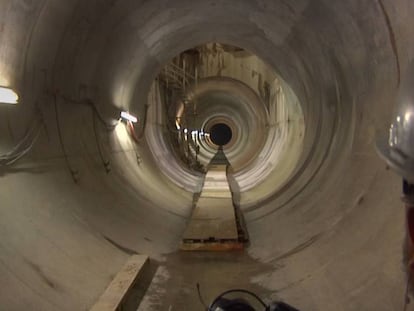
118	290
213	224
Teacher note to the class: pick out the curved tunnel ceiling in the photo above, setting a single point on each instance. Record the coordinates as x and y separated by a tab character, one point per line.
90	190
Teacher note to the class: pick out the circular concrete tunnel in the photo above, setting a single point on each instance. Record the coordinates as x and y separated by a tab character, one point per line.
81	191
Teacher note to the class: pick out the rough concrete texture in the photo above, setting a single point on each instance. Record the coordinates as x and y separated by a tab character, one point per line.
329	239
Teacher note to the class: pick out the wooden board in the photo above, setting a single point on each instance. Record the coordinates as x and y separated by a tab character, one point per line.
118	289
213	224
212	218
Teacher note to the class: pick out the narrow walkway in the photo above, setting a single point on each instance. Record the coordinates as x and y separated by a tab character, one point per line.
214	223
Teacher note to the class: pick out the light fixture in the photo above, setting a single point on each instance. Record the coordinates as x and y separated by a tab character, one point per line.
126	116
8	96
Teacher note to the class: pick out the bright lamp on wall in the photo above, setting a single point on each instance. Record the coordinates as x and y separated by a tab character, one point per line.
8	96
127	116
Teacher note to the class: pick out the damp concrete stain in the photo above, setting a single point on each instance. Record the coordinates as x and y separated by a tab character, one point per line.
43	276
120	247
153	300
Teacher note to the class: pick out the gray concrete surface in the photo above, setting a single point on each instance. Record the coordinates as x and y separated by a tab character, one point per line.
329	238
213	215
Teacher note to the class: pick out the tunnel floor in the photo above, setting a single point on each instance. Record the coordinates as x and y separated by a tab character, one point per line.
174	286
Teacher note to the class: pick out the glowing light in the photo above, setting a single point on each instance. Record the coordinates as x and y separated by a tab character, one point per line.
126	116
8	96
177	123
122	135
407	117
398	119
185	131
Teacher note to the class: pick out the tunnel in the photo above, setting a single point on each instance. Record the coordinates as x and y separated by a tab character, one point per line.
296	92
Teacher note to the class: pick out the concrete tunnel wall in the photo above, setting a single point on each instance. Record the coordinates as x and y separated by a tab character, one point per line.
333	235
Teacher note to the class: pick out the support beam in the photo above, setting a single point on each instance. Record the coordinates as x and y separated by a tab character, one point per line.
118	292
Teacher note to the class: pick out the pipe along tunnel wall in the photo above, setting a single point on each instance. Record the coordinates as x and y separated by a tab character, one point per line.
330	236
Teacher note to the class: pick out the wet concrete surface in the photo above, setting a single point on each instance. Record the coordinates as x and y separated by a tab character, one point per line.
174	286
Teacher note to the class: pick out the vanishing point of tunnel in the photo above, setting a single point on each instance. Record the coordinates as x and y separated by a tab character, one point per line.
291	94
220	134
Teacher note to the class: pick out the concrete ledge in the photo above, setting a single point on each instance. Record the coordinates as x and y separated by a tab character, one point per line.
119	289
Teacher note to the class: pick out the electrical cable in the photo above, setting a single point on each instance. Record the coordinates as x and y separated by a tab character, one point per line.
210	308
23	141
96	115
92	105
24	145
22	153
106	163
109	127
73	172
131	131
201	298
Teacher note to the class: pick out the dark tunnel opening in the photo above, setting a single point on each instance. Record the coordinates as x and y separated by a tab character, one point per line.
220	134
